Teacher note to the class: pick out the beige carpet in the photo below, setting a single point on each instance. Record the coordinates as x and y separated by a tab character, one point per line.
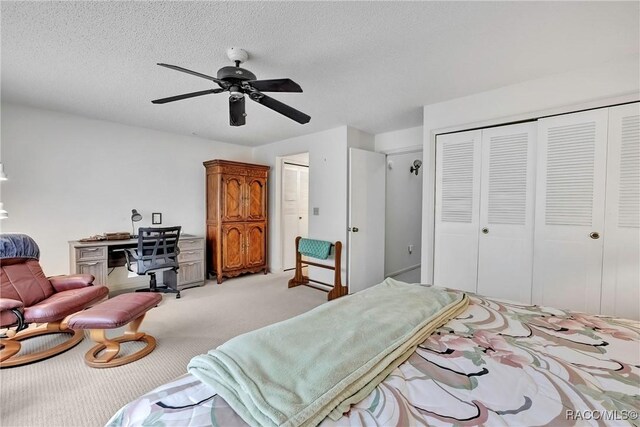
63	391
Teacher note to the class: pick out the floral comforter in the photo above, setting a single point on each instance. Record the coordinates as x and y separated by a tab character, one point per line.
496	364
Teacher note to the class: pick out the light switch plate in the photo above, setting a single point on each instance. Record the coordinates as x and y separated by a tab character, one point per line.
316	211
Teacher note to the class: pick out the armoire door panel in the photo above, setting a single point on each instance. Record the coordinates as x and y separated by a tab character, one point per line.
570	197
212	197
458	158
232	198
621	261
233	244
255	244
256	203
507	194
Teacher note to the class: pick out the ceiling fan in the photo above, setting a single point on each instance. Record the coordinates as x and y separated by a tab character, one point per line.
238	82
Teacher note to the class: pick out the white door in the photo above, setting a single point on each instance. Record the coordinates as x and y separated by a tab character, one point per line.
295	210
366	219
457	210
621	266
569	218
505	254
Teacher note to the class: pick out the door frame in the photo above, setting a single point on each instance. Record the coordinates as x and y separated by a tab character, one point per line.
281	160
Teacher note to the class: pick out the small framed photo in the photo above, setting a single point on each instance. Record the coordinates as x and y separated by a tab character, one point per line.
156	218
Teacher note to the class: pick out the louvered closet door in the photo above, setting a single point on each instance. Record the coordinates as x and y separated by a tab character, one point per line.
505	256
621	266
457	210
570	190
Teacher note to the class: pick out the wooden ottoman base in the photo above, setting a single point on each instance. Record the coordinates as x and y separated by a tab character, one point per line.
110	347
125	309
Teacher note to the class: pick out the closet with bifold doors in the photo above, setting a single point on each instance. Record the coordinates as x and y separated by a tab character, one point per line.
544	212
484	211
587	231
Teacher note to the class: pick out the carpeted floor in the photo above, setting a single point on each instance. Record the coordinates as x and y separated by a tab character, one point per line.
63	391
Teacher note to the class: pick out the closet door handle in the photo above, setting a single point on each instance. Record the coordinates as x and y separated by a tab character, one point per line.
594	235
485	230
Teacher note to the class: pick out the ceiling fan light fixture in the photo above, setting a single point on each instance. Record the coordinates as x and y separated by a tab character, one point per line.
235	54
235	93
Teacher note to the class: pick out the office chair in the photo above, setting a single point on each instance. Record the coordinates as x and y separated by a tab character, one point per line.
157	251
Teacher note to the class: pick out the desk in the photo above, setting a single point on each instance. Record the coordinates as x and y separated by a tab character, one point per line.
98	257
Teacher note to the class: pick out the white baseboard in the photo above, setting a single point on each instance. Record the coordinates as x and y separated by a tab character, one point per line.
404	270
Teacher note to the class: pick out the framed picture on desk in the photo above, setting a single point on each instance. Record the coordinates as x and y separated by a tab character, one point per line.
156	218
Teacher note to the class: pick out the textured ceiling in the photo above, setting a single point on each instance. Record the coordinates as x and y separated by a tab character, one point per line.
370	65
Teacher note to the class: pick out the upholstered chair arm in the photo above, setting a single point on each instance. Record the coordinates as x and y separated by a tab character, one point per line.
9	304
11	313
73	281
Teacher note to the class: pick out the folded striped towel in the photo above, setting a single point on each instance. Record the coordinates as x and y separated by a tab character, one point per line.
319	249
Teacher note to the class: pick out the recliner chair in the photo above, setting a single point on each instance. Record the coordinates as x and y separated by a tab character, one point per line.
32	304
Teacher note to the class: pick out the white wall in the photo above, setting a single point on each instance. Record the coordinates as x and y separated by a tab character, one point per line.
399	141
327	190
360	139
551	95
71	177
403	219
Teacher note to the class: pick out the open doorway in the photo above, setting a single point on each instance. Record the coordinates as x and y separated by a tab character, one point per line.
294	205
403	221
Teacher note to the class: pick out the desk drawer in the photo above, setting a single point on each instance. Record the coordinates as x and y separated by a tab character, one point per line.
97	269
193	255
90	253
191	272
190	244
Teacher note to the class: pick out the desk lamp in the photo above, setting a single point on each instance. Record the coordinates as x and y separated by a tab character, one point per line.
135	217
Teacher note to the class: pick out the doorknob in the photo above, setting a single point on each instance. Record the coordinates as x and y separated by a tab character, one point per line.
485	230
299	217
594	235
354	229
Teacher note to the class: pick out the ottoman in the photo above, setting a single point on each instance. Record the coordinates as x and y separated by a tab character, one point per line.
113	313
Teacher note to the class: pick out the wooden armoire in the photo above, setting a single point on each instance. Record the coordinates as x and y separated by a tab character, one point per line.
236	218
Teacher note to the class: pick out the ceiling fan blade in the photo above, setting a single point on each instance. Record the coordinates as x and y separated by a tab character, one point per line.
185	96
276	85
236	111
281	108
195	73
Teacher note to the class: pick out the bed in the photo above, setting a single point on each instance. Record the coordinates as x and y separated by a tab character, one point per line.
497	363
